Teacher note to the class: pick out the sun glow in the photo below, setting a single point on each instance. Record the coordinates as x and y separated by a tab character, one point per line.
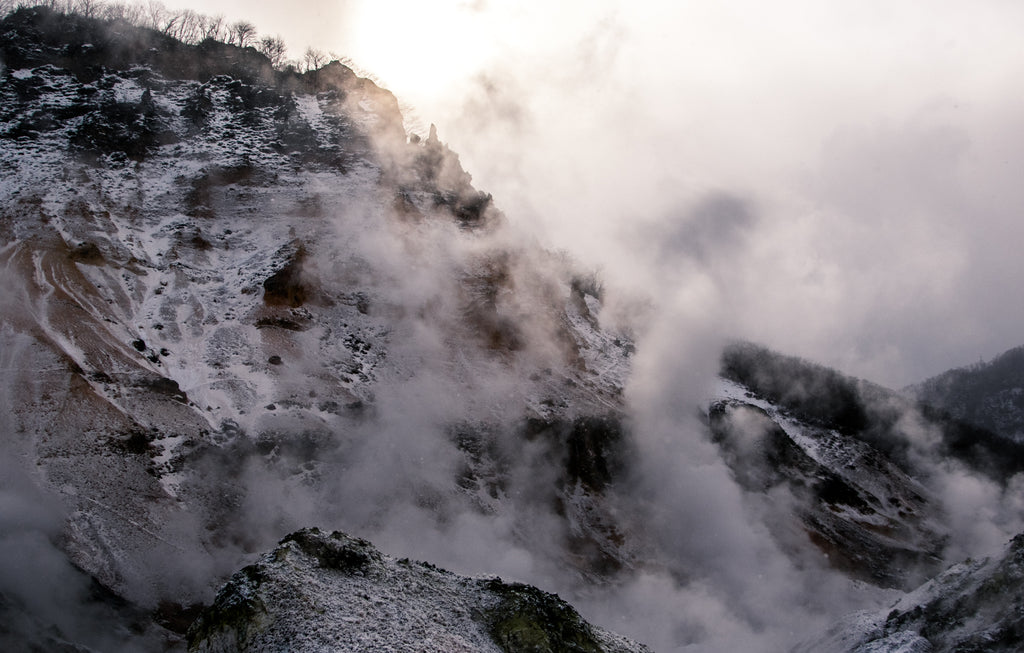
418	48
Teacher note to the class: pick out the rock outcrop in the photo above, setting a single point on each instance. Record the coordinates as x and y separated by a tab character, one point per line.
972	606
332	592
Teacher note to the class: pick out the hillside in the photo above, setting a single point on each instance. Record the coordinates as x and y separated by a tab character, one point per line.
220	278
972	606
239	301
987	395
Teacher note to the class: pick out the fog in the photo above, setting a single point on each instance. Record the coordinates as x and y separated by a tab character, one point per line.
876	145
837	182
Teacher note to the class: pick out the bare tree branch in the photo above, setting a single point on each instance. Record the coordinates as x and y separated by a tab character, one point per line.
313	59
273	48
243	33
215	27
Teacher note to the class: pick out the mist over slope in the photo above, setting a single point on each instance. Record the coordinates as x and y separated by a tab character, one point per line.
239	301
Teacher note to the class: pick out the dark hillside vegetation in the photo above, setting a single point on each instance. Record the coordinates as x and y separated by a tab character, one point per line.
88	47
987	395
868	412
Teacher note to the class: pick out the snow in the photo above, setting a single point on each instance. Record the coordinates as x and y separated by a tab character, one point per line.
199	309
368	602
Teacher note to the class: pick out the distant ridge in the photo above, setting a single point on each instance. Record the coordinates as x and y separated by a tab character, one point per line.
987	395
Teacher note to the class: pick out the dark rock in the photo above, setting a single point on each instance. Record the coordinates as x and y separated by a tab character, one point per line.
335	551
529	619
87	253
287	286
237	609
165	386
137	443
280	323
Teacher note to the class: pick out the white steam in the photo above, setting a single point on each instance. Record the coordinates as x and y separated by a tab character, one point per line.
803	174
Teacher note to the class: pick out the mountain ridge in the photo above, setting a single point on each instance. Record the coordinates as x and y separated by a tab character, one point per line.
238	301
988	395
237	278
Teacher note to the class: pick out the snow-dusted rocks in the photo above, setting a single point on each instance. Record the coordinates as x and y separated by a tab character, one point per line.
331	592
229	294
868	517
975	605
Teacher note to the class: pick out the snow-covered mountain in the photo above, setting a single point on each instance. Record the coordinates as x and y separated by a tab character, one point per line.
213	270
858	460
238	302
871	518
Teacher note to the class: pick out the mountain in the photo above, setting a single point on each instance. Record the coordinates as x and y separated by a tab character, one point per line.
220	278
868	412
869	517
987	395
240	300
847	468
856	460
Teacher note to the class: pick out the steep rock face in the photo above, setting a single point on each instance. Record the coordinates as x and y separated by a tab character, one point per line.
866	515
212	270
865	411
852	467
319	592
988	395
972	606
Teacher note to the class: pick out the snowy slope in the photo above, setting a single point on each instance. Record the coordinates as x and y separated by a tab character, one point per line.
218	279
972	606
330	592
869	517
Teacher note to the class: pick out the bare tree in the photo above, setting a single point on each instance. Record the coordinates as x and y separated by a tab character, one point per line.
129	13
154	14
313	59
169	24
243	33
190	26
87	8
215	28
62	6
273	48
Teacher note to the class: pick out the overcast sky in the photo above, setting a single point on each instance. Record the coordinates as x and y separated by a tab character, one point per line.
839	180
